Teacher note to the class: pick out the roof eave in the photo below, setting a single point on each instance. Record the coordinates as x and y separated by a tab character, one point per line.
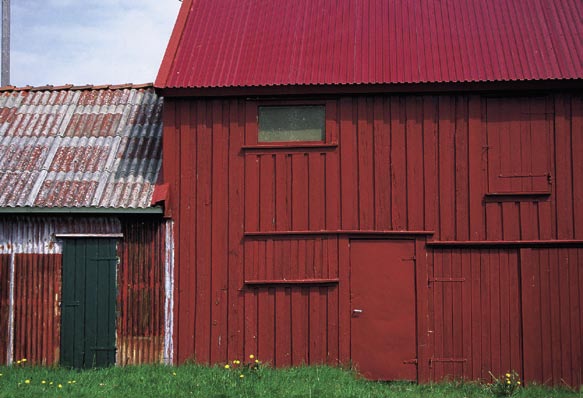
80	210
392	88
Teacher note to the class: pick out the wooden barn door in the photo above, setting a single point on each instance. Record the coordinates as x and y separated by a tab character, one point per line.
88	307
383	342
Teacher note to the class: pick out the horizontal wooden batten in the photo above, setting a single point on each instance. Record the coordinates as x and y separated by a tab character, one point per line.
292	282
506	243
288	146
516	196
267	234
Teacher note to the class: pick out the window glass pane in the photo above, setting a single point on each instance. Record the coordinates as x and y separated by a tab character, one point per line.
291	123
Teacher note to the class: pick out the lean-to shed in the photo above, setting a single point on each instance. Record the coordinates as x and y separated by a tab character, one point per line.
85	254
392	184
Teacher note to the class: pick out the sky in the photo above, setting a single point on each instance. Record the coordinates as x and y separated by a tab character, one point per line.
89	41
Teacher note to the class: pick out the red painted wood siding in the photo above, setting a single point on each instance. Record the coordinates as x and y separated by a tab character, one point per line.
475	313
552	312
392	163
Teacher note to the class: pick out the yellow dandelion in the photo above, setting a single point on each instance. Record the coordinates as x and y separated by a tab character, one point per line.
507	374
251	356
227	366
60	386
173	373
518	382
74	381
26	381
508	382
1	374
43	382
257	361
23	360
69	382
18	362
241	376
236	362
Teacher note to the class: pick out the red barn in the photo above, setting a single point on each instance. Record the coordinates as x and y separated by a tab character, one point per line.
393	184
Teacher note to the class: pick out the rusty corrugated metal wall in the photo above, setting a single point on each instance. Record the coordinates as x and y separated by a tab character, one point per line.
30	286
140	322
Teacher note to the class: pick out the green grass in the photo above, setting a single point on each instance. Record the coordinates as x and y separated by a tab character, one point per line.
208	382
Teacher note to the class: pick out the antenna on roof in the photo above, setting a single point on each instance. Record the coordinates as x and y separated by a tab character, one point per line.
5	75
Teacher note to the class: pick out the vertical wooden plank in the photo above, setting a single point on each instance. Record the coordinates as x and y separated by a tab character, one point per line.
316	191
333	302
562	176
485	289
495	324
283	327
438	313
545	345
422	290
462	218
219	231
348	159
530	270
457	313
236	207
576	313
398	164
251	321
577	156
467	312
344	298
504	289
515	332
382	162
510	220
414	160
446	168
283	189
366	205
266	324
431	170
476	160
564	306
554	305
300	192
431	314
332	169
300	325
448	315
186	209
266	192
203	233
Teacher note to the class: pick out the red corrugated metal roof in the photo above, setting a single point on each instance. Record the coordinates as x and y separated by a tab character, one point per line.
238	43
84	146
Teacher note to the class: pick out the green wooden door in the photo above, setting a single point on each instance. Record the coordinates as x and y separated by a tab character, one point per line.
88	305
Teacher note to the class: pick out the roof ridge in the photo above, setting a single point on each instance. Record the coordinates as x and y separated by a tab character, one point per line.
50	87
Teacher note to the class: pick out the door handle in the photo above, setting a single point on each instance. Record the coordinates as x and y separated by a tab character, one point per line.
357	311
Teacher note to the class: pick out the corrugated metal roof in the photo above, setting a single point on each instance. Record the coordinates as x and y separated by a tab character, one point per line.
237	43
79	146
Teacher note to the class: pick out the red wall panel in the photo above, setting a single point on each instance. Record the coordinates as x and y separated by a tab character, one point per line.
391	163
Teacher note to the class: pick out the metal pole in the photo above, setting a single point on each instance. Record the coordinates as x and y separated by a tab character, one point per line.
5	78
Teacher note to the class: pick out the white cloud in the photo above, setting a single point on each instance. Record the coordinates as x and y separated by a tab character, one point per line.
89	42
